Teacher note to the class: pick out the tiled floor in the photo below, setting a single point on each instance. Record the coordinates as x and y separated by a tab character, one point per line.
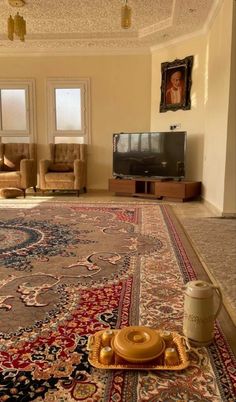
182	209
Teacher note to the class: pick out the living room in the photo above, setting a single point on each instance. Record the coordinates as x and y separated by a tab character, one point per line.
124	96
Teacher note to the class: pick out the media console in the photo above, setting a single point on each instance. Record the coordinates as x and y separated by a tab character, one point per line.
154	188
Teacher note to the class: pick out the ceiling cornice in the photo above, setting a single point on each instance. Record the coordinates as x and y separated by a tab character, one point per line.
122	42
74	52
211	17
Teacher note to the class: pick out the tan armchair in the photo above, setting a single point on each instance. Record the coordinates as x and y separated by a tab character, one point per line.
18	166
66	169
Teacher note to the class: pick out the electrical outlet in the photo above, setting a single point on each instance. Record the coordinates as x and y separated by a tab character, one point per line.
175	126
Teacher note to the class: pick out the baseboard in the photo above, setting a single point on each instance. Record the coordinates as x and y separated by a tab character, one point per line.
97	190
217	212
212	207
229	215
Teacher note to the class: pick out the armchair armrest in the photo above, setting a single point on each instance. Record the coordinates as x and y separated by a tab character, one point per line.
43	169
80	173
28	172
44	165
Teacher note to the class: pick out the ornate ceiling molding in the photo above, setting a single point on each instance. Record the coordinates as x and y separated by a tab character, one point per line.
86	26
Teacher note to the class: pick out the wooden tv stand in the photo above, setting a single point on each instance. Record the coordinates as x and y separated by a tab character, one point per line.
156	188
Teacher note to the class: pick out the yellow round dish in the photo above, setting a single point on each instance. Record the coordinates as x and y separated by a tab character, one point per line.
138	344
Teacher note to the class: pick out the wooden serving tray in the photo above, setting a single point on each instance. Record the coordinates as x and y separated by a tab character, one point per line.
94	346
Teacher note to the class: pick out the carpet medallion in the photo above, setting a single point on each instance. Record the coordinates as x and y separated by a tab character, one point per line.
69	270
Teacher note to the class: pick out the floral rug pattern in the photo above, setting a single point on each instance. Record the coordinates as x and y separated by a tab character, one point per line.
69	270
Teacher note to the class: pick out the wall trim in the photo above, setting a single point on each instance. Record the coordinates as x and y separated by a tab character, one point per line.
216	211
229	215
74	52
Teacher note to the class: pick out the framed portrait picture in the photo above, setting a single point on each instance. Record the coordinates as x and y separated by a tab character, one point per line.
176	84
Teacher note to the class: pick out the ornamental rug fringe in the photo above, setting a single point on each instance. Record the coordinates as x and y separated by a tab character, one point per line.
69	270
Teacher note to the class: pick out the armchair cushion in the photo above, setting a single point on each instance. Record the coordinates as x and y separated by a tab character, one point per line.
60	177
11	192
61	167
12	162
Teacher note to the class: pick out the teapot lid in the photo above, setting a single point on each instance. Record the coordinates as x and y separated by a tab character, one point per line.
198	289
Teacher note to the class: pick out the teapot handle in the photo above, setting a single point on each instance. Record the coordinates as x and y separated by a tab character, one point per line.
219	294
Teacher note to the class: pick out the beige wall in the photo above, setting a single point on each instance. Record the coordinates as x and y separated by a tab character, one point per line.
120	99
230	171
217	106
192	120
210	124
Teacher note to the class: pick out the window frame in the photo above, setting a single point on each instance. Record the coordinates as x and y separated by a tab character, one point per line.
29	86
63	83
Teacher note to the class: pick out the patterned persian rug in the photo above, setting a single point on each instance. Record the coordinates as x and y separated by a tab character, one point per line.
69	270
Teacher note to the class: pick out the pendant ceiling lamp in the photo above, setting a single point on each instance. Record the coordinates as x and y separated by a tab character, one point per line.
125	15
16	25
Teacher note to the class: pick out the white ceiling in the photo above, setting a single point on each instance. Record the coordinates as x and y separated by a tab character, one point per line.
94	25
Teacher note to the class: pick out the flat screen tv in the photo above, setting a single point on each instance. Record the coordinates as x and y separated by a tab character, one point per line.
151	154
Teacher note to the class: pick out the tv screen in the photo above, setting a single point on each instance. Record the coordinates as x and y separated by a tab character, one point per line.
152	154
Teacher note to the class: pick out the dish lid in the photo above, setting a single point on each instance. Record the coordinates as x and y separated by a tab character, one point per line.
137	343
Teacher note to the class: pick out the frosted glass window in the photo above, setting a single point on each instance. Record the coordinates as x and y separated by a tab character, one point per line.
69	140
20	139
13	109
68	109
68	105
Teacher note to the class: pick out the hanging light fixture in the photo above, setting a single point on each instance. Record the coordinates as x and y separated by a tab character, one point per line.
125	15
16	25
